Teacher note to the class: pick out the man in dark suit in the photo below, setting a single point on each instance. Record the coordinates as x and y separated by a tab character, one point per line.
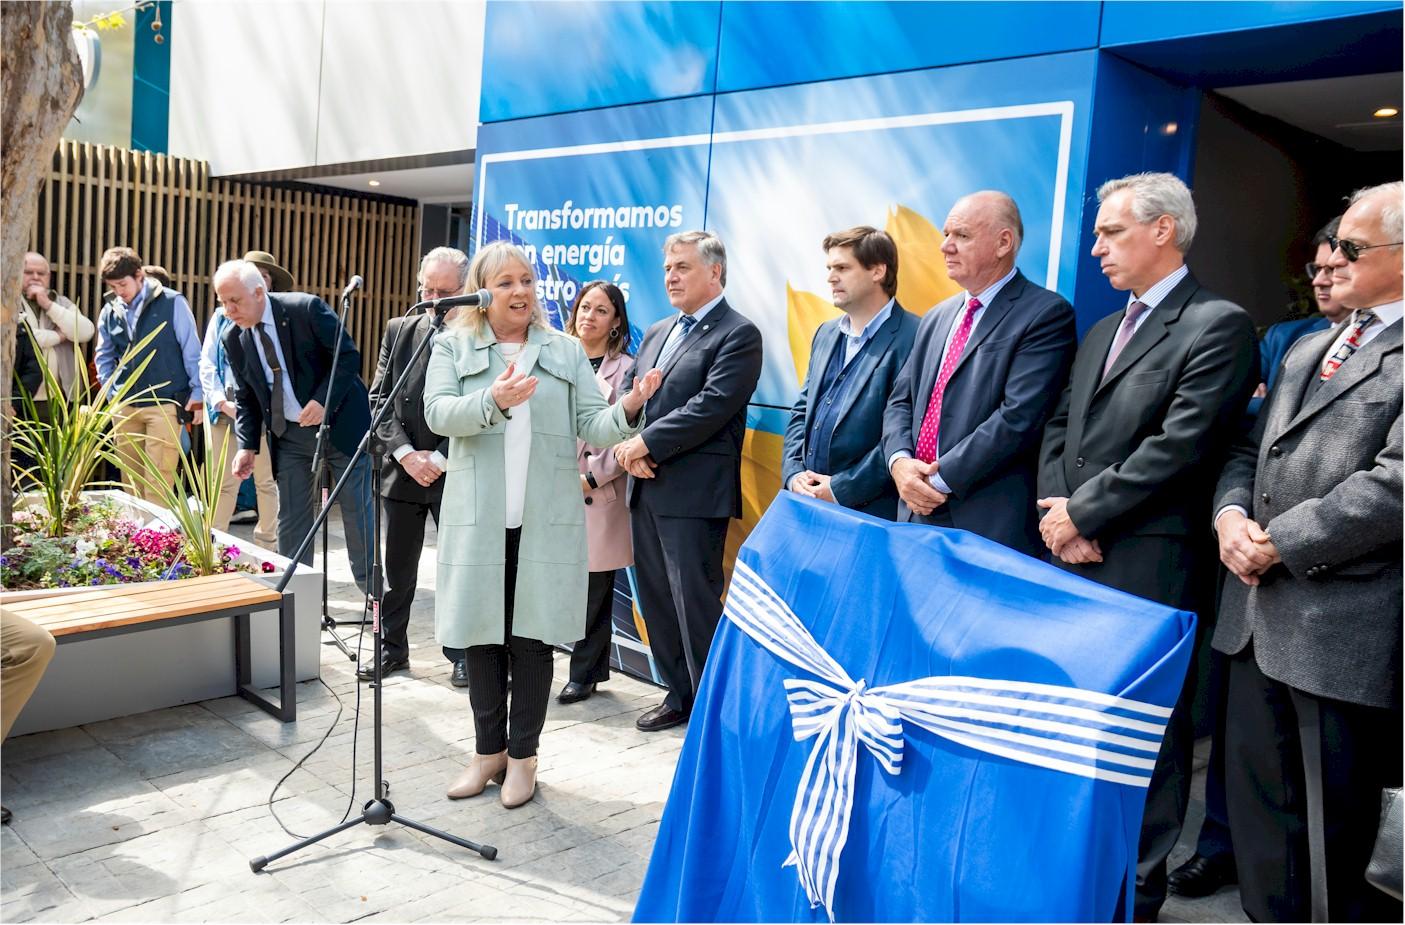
961	432
414	463
1130	456
280	351
833	442
1309	524
685	467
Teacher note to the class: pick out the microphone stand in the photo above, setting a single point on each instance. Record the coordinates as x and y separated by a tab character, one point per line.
377	811
322	473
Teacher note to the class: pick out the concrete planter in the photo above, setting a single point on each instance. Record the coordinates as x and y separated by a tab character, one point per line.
97	679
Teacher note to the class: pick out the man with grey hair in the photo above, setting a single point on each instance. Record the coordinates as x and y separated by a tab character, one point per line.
1308	515
1131	454
58	327
413	466
280	352
961	431
685	467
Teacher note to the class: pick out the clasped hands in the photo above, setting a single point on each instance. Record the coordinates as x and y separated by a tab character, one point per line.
913	480
1061	535
813	485
1245	547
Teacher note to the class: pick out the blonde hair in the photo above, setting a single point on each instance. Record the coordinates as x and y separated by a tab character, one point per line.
487	263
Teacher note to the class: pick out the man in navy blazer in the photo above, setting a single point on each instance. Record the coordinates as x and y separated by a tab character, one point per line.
834	441
685	466
287	391
961	433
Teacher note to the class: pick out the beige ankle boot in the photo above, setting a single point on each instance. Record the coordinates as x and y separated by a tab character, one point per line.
475	777
521	783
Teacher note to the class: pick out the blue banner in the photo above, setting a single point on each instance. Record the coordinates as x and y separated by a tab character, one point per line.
991	720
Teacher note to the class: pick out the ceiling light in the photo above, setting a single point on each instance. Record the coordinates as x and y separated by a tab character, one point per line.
1385	112
373	183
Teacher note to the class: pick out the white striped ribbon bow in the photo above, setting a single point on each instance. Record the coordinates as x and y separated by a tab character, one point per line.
1087	733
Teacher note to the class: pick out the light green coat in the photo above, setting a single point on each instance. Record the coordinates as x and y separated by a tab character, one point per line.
551	572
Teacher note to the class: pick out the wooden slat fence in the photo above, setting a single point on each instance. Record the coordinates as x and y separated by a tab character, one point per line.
173	213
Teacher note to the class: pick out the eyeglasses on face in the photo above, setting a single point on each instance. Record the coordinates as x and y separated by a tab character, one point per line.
430	293
1351	250
1312	269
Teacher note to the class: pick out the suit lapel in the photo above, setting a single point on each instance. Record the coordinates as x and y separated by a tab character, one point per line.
941	329
1152	331
867	361
700	331
1362	366
285	340
991	317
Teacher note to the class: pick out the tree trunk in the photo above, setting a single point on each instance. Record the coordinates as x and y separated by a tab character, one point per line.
40	83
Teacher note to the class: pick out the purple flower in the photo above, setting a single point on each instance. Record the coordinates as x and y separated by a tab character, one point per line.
231	552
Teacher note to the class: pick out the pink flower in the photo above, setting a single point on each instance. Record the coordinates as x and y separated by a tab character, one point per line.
267	567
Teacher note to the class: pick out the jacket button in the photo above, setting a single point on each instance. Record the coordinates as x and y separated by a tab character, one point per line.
589	500
1264	498
1079	462
1275	451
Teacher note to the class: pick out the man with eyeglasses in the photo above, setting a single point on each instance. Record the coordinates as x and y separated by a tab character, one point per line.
1279	337
1308	514
412	471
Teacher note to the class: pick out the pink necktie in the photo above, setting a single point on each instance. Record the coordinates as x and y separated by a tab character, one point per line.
1124	333
932	421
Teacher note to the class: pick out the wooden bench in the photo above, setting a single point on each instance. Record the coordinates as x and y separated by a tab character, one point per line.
113	610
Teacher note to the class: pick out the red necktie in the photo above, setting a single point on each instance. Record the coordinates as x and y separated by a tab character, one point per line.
932	421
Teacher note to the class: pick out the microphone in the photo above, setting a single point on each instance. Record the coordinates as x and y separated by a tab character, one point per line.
482	298
356	283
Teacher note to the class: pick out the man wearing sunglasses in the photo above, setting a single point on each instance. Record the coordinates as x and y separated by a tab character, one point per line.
1279	337
1309	524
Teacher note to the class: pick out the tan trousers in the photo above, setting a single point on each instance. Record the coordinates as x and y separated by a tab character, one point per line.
156	429
222	433
25	651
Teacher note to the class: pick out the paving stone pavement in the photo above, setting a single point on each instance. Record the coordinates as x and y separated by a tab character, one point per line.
154	817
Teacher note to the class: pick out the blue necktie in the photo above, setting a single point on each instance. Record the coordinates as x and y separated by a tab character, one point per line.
686	323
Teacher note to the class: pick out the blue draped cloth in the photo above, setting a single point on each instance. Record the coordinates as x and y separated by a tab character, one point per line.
957	833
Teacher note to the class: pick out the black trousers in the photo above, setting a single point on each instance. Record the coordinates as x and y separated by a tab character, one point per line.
678	562
497	725
1215	841
1178	573
590	659
1271	727
404	543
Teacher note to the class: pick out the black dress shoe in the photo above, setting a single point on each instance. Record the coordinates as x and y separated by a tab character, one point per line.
660	717
367	672
573	692
4	815
460	676
1202	876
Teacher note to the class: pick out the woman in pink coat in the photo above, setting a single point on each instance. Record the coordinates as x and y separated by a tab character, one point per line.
599	320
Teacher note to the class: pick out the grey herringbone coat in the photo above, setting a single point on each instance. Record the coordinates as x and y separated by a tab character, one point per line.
1323	476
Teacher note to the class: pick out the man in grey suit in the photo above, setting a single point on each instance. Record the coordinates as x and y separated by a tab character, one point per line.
1309	525
685	467
833	442
1130	456
961	433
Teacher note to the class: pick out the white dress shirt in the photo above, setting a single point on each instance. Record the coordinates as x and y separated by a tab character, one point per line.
292	408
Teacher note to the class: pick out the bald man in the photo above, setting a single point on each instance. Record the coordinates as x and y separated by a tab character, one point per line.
962	429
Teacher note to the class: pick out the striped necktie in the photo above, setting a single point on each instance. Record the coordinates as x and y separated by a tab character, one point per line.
1346	348
686	323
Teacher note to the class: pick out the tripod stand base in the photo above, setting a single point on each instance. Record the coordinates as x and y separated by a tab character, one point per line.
376	812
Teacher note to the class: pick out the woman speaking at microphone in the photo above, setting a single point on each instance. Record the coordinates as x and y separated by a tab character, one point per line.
513	396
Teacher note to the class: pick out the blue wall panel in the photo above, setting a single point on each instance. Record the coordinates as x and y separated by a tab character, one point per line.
1128	22
541	58
769	44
